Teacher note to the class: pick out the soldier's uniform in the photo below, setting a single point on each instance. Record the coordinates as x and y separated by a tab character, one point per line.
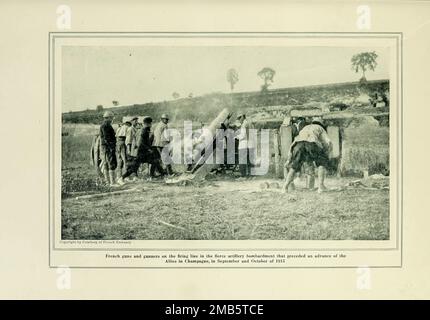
145	153
161	140
95	157
312	144
131	143
108	149
107	146
246	148
121	148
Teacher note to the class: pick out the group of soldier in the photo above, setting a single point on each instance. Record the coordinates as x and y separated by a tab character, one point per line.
118	155
127	148
134	144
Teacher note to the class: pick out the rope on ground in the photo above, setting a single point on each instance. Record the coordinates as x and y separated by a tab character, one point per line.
171	225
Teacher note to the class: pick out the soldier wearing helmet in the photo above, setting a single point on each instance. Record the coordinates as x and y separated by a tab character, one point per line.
107	148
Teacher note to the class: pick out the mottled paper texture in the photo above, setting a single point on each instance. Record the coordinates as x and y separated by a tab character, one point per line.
223	235
57	246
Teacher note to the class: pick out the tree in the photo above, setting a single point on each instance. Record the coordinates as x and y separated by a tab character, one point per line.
175	95
99	108
362	62
267	75
115	103
232	77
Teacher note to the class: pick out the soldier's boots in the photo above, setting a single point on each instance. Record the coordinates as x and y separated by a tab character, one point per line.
121	181
106	176
112	179
321	177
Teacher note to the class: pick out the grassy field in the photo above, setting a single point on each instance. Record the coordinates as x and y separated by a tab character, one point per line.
217	209
229	210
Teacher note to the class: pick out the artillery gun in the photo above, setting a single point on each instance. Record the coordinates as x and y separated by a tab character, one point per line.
285	130
208	148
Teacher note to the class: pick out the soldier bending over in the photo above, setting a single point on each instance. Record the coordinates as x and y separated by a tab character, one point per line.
311	145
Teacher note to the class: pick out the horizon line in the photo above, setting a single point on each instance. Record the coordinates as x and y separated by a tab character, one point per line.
233	93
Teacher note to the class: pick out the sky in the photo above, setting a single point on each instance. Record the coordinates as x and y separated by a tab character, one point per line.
98	75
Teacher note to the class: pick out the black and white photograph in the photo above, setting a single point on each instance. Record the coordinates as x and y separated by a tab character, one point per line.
225	142
202	152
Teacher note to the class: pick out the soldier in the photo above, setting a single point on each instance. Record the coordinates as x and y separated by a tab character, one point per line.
161	139
190	153
107	148
121	148
246	146
130	140
308	168
311	145
95	158
296	126
131	144
146	153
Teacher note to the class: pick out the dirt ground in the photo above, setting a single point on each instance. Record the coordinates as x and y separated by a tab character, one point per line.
229	210
223	208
